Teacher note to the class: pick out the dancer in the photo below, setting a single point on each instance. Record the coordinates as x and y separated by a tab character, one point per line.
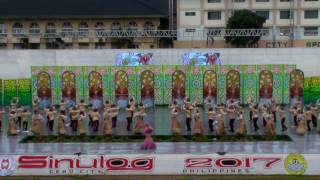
314	110
188	114
294	111
255	117
282	115
308	116
242	125
19	111
231	113
207	103
12	130
61	123
24	116
174	105
301	129
198	128
274	110
129	113
14	103
264	114
50	117
74	113
142	107
221	129
107	127
36	104
95	120
138	128
251	106
90	111
36	123
62	105
175	124
269	128
148	143
211	114
1	117
82	106
114	115
82	129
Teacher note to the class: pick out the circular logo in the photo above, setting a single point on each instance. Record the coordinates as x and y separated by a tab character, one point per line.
295	164
7	166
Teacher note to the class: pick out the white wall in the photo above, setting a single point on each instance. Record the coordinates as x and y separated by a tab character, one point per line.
17	63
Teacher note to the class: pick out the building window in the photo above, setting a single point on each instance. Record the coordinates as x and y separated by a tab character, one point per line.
99	28
67	28
34	28
311	31
17	29
262	0
83	45
190	13
264	14
285	14
214	1
83	29
132	26
311	14
116	26
149	26
214	15
100	45
3	29
50	28
190	30
285	31
239	1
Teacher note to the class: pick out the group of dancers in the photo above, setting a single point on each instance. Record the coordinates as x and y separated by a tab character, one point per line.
233	113
74	118
231	116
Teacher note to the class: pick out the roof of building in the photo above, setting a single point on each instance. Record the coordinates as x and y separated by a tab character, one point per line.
82	8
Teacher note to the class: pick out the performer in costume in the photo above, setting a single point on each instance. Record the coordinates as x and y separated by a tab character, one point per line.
14	104
242	125
231	113
148	143
314	110
221	129
61	123
24	116
308	116
211	114
115	112
274	110
107	126
264	114
90	111
12	130
255	117
282	115
138	128
82	129
198	128
36	123
95	120
36	104
19	111
74	113
269	128
62	105
251	106
175	124
188	114
82	106
1	117
129	113
50	117
174	105
107	105
301	129
294	111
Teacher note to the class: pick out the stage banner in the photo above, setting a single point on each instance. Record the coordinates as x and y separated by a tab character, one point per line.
165	164
10	91
311	91
24	91
201	58
134	59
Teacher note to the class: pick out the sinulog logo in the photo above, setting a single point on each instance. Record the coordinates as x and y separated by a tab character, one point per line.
295	164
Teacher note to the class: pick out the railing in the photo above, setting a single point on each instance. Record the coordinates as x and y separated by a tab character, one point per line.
204	33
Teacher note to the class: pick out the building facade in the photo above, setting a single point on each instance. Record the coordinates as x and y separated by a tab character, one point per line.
290	23
81	24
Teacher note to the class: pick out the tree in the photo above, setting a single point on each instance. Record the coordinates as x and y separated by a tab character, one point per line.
244	19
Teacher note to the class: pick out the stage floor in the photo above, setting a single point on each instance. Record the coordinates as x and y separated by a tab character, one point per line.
159	118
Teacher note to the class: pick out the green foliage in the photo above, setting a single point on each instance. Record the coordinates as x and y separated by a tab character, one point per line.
244	19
